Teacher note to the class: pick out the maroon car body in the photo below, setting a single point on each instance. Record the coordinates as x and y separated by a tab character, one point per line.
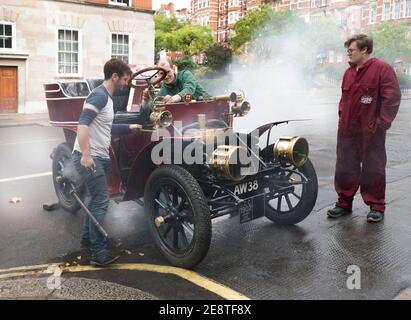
184	198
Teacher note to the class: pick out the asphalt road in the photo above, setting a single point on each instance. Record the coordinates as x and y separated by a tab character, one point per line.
258	259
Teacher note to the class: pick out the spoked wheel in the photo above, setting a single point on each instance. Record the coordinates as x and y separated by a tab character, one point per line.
62	161
178	215
295	197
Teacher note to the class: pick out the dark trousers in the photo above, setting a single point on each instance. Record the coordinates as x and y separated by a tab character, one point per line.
97	190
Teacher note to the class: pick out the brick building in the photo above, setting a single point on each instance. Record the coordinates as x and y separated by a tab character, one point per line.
351	15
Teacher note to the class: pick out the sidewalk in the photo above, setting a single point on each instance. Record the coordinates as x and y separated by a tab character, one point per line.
23	119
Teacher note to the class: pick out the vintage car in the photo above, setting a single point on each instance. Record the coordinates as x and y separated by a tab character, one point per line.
244	176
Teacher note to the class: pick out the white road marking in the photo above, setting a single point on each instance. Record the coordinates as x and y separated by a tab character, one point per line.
30	176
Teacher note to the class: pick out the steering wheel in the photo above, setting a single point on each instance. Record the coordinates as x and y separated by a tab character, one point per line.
141	80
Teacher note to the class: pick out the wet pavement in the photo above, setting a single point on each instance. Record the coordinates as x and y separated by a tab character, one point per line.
259	260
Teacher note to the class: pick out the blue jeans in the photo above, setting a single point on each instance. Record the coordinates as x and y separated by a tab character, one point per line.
97	190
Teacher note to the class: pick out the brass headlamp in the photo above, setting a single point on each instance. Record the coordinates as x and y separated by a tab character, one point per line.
226	161
292	150
160	117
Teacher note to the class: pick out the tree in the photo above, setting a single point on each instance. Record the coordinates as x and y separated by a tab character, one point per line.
164	29
176	35
326	34
185	63
192	39
246	27
217	57
391	41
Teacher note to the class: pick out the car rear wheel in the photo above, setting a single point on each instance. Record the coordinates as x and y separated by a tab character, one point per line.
61	160
294	199
178	215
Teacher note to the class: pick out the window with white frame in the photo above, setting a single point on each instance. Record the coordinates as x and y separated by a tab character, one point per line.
233	3
7	36
323	3
233	17
291	4
299	4
373	12
387	10
397	9
408	8
68	55
120	46
126	3
205	20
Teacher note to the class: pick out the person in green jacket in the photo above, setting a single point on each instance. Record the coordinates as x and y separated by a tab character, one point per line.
176	85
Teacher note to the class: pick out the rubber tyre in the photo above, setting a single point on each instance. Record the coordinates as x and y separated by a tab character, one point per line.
66	201
305	205
201	240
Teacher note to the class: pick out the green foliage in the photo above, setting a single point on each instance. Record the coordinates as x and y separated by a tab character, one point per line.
175	35
185	63
326	34
217	57
246	27
164	28
390	41
193	39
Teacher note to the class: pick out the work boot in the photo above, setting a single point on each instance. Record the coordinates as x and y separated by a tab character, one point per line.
103	258
337	212
375	216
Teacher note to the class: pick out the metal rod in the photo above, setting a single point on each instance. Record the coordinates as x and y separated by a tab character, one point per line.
96	223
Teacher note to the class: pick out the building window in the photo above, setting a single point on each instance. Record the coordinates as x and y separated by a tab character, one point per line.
397	9
387	10
408	8
125	3
299	4
120	46
7	36
233	17
233	3
68	52
291	5
373	13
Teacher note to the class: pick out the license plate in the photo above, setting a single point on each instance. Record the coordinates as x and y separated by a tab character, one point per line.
246	187
251	208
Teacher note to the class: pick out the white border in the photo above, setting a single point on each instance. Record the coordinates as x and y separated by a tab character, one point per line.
13	38
80	54
119	4
130	45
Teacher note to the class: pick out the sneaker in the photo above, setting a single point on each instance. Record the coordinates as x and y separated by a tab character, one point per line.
103	258
375	216
337	212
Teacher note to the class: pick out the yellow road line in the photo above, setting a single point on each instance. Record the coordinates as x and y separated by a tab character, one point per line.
191	276
27	268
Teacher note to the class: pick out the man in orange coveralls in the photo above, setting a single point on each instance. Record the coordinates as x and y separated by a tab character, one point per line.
369	103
